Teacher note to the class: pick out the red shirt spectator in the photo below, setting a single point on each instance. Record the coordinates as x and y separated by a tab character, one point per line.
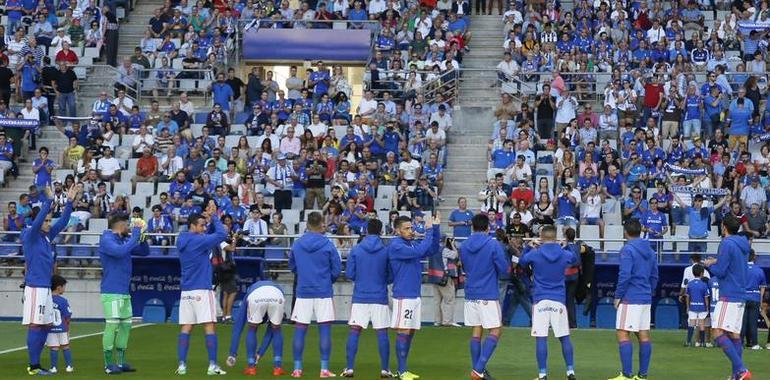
653	92
523	193
67	55
587	114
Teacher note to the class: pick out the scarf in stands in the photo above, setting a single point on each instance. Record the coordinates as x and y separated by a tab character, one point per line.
693	190
680	170
66	118
745	27
19	123
762	137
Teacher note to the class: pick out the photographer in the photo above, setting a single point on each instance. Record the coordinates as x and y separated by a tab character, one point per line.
225	274
442	273
316	180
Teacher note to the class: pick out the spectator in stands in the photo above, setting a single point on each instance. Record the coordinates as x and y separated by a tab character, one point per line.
146	169
566	206
217	121
409	169
66	86
108	167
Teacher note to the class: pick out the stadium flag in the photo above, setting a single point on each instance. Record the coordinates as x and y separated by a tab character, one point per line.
680	170
19	123
762	137
693	190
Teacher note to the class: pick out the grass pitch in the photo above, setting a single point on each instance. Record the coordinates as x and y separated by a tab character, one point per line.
437	354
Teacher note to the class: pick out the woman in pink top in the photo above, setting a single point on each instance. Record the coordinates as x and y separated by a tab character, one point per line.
557	84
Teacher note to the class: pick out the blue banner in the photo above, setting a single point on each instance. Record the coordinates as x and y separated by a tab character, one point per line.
160	278
306	45
746	27
19	123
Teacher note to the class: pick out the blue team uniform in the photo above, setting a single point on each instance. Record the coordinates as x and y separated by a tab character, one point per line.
731	268
62	322
241	319
484	263
697	291
38	254
405	262
115	255
194	250
638	275
368	268
317	265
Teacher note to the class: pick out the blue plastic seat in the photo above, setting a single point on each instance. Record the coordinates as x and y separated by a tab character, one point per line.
605	313
154	311
200	117
667	314
241	117
174	317
520	318
583	321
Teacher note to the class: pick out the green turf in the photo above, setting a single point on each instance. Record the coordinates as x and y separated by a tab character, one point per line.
437	353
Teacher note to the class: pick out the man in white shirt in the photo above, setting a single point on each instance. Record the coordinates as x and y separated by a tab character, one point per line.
442	117
141	141
656	32
590	210
255	227
409	168
108	166
566	110
280	180
123	103
377	6
368	105
507	68
317	127
29	112
170	163
268	134
186	105
608	124
283	129
436	134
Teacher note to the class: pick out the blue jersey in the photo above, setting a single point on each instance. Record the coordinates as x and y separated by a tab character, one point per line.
115	255
405	262
317	265
369	269
655	222
548	262
731	268
692	107
714	292
43	176
638	273
61	314
756	281
458	215
484	263
697	293
194	250
241	318
36	245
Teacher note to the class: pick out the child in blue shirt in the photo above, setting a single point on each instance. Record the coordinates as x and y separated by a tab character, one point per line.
59	337
698	299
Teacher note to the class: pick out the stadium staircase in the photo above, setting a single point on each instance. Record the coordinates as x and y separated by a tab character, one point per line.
465	174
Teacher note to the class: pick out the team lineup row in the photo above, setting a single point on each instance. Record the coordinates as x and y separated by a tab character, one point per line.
373	266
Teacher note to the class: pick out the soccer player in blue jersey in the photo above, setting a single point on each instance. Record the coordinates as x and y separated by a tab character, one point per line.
368	268
484	263
405	256
59	337
698	300
38	310
264	300
115	248
729	268
197	304
548	261
317	264
637	280
755	289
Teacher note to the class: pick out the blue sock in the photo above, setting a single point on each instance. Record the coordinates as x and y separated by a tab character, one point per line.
728	348
645	355
325	343
67	357
251	345
383	344
487	349
690	331
35	335
266	339
475	346
352	347
300	330
54	358
211	348
401	351
702	337
626	349
738	347
183	346
568	353
277	336
541	352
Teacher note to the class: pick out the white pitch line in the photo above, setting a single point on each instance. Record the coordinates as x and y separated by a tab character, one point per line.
73	338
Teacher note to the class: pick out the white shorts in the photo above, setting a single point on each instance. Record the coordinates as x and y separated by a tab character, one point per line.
197	307
57	339
305	308
547	313
696	315
728	316
363	313
266	300
38	306
483	313
631	317
407	313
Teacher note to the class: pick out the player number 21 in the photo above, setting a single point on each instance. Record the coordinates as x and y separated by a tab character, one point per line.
408	314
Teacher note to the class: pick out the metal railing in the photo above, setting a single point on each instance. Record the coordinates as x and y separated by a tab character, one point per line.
196	82
430	86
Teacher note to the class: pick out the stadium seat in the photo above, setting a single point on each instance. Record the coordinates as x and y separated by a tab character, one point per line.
200	117
97	224
121	188
591	233
667	314
761	247
146	189
238	130
583	321
241	117
197	130
132	165
154	311
520	318
290	216
163	188
138	200
231	141
605	313
174	317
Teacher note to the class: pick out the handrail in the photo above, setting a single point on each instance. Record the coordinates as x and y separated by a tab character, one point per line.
246	25
147	82
113	70
446	84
